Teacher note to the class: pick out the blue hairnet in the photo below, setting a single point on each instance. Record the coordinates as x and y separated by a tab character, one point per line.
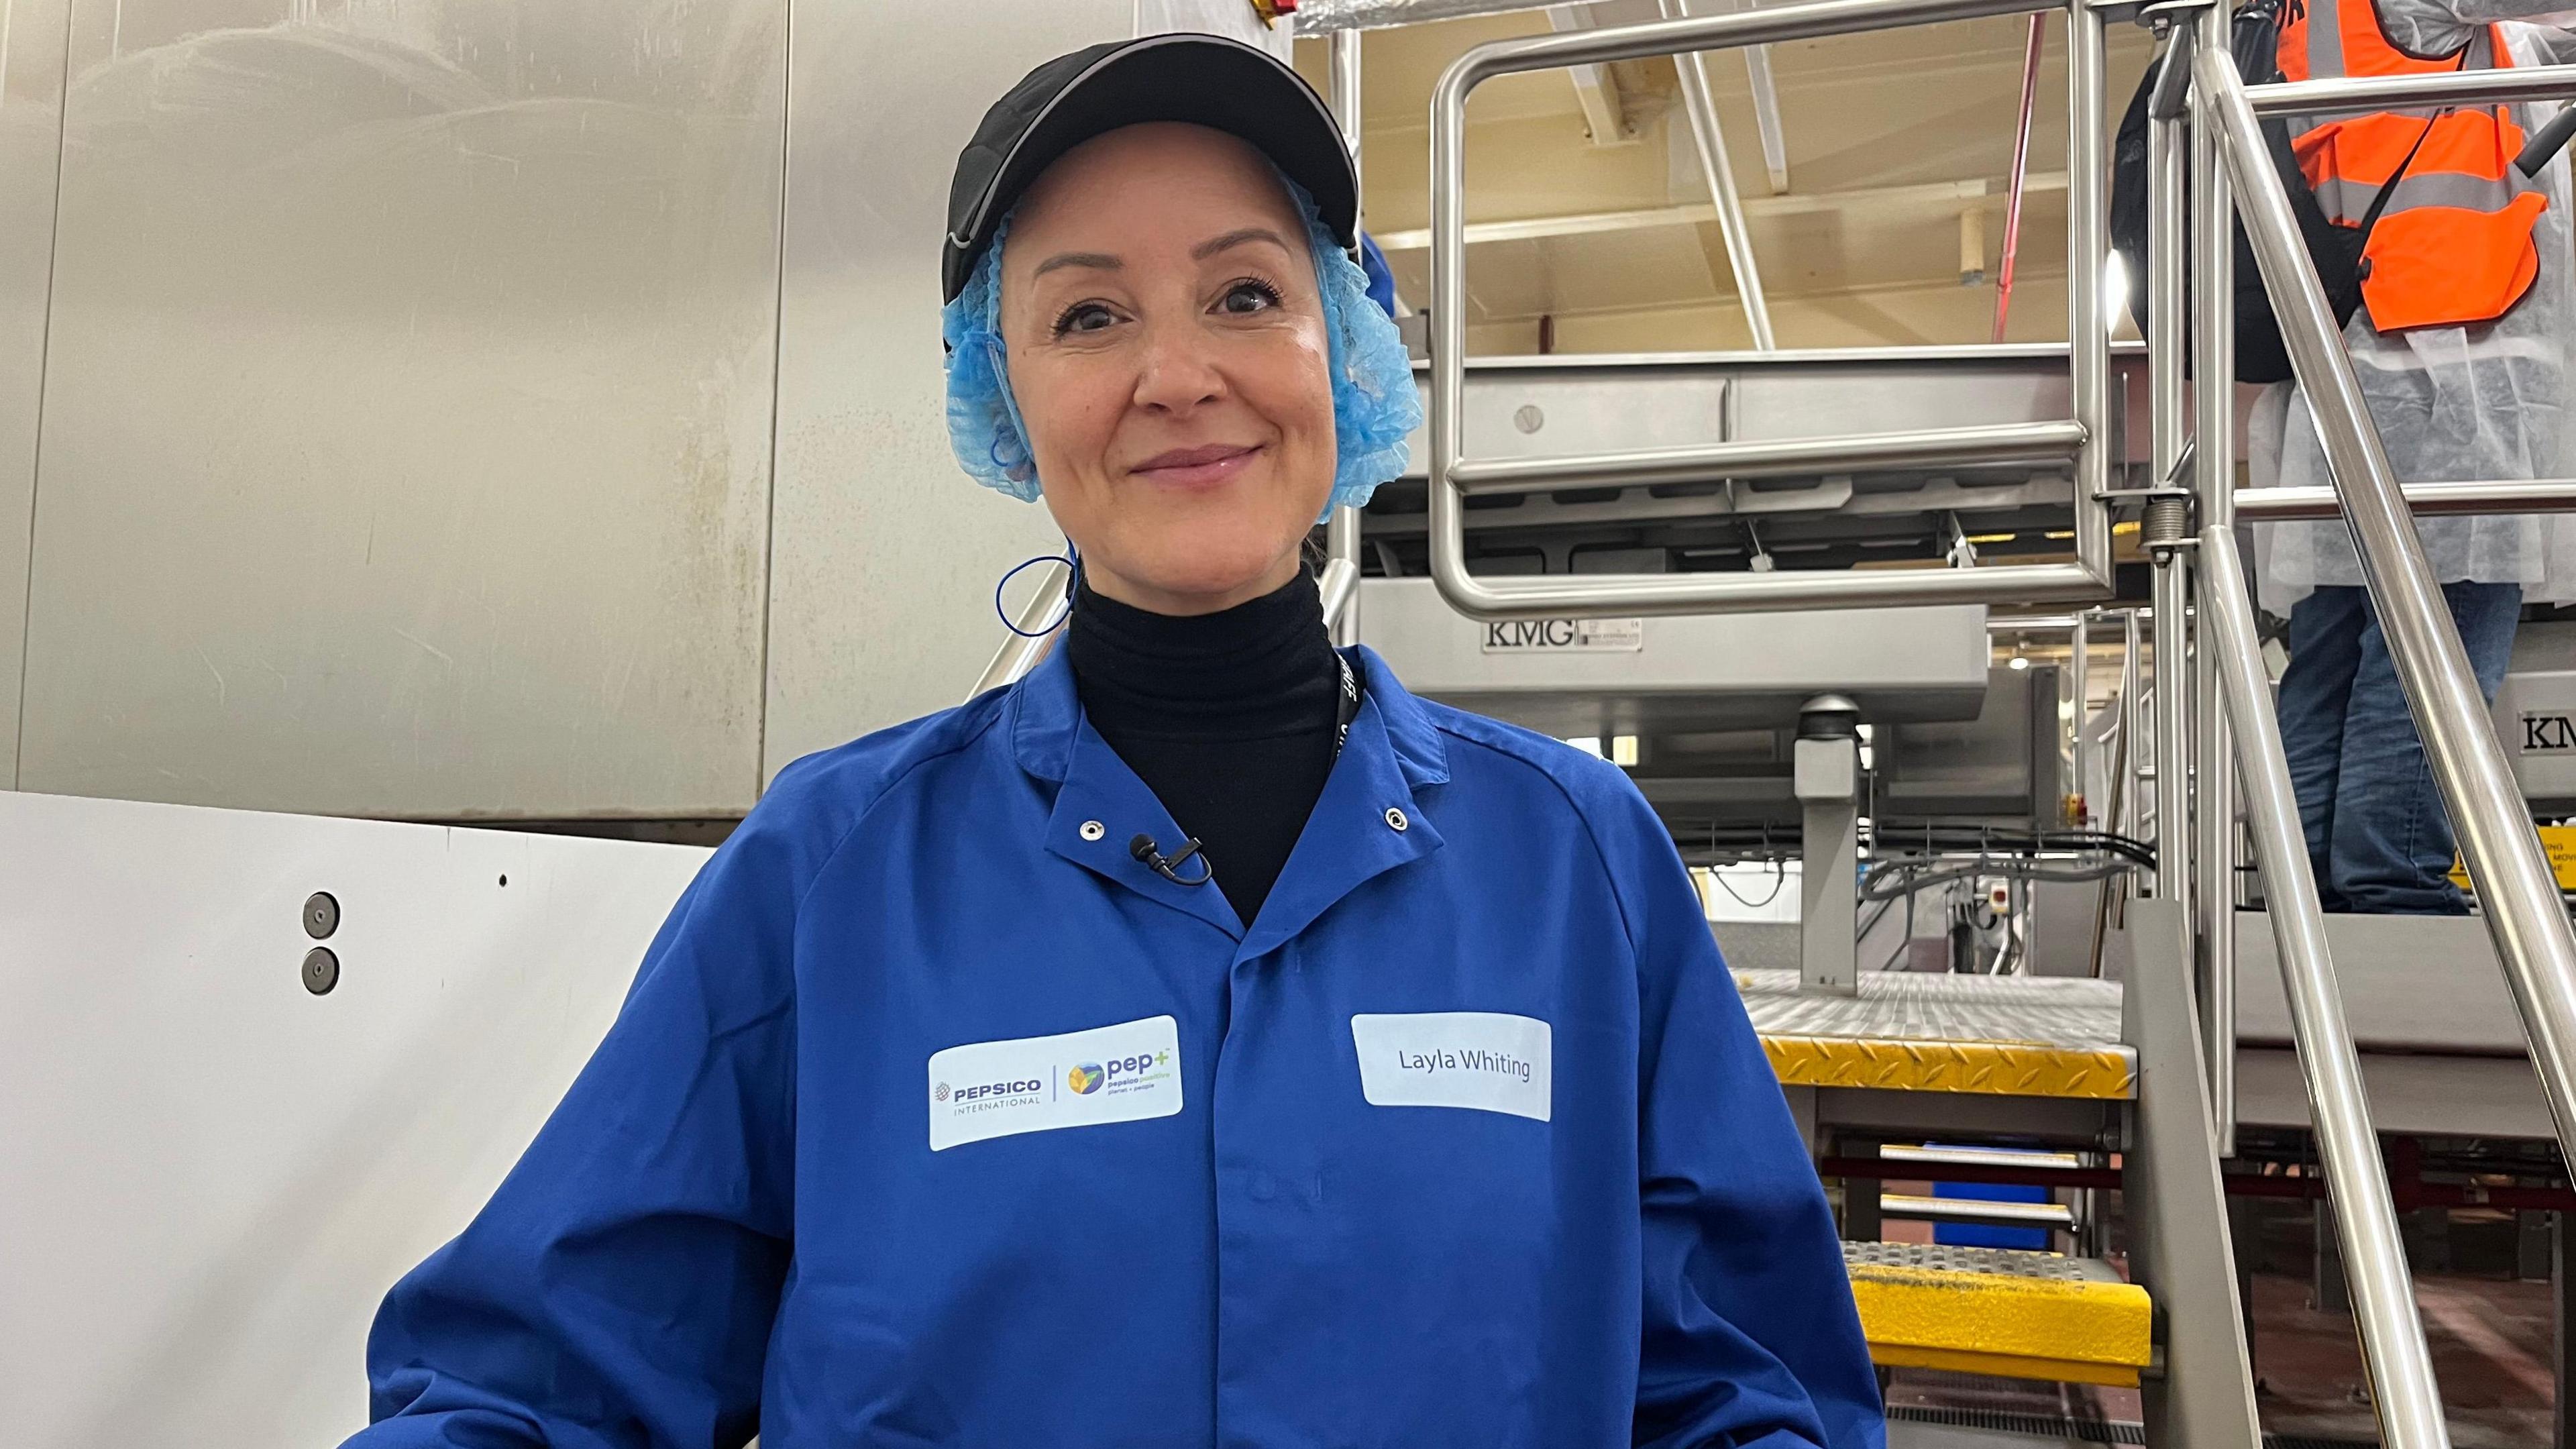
1374	405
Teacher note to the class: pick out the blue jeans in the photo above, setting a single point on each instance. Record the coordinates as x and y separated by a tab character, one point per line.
2377	834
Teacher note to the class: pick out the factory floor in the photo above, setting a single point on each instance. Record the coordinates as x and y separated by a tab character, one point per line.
2491	1337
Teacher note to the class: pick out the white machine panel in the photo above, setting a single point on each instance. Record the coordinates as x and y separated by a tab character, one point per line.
407	408
31	119
213	1175
885	553
1716	672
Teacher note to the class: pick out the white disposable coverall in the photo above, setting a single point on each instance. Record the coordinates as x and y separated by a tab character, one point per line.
2452	403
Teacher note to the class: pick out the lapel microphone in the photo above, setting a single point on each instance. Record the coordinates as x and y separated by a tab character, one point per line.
1168	867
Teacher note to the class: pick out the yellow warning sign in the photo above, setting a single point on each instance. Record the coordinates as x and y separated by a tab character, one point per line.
2557	841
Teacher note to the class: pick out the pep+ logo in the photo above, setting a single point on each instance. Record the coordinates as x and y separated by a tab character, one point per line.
1142	1067
1085	1078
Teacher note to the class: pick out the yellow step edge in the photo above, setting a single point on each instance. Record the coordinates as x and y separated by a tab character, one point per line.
2017	1069
2003	1366
2017	1315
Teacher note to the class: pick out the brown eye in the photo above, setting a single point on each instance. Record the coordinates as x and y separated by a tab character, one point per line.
1083	317
1248	297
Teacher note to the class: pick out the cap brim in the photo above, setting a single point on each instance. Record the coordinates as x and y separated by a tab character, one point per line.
1204	80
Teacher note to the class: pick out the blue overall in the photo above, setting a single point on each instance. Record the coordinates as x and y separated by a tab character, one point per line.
1464	1141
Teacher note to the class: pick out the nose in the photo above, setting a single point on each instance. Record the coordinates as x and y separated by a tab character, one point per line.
1179	371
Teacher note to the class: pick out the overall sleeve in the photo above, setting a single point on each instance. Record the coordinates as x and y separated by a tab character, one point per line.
618	1288
1750	1337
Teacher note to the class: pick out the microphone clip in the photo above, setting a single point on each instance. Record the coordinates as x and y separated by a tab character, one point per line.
1168	867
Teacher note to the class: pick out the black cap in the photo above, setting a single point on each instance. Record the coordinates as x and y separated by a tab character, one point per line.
1206	80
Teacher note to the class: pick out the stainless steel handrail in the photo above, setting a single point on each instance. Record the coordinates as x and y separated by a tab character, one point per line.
2167	520
2395	92
2424	500
2214	846
2082	440
2402	1387
1342	529
2516	889
1339	583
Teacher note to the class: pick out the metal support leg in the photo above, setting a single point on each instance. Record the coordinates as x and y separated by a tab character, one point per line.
1342	531
2245	1234
2531	1240
2563	1345
2177	1206
2167	528
1861	1220
2214	840
1827	779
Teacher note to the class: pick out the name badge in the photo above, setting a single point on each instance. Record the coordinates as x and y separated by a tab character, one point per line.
1123	1073
1488	1061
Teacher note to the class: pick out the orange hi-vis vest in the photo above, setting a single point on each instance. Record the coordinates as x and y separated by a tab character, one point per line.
2453	245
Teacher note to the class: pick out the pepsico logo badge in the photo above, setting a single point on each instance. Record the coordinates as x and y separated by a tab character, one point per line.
1084	1079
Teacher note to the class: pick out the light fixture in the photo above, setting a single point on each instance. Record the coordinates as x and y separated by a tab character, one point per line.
2016	662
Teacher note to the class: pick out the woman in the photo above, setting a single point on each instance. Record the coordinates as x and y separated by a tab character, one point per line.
2464	379
962	1102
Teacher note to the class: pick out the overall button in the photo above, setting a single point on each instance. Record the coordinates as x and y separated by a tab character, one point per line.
1395	820
1093	830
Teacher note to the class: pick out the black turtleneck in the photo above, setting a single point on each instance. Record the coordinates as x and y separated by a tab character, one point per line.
1227	717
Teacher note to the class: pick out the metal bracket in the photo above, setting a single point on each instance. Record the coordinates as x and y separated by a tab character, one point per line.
1962	554
2160	15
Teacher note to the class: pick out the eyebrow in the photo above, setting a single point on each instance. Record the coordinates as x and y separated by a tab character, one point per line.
1236	238
1104	262
1092	261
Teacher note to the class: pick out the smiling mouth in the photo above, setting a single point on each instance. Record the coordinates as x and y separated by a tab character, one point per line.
1197	467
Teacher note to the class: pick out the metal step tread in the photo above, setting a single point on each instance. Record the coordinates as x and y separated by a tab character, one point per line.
1977	1210
1995	1311
2027	1036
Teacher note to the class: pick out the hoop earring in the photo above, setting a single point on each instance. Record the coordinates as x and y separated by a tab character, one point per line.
1071	558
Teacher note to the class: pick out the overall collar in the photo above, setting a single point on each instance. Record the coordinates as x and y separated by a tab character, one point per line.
1370	818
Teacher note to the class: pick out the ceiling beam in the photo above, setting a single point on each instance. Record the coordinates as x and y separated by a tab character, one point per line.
1766	117
1700	213
1596	90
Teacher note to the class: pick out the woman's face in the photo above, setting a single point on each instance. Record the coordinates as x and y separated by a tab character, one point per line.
1167	351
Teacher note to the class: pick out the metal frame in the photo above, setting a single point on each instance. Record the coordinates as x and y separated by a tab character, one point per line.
2523	909
2081	441
2213	421
1341	576
2515	885
2425	500
2403	1391
1719	173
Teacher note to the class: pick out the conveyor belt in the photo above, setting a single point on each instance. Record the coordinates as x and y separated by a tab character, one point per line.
2029	1036
1989	1311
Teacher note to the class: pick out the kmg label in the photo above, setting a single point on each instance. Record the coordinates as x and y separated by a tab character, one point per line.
2547	734
1565	636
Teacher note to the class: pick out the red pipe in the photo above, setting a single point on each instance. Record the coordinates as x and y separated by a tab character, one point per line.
2408	1192
2020	171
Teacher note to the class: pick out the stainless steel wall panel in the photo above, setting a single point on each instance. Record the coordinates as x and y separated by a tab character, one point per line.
31	120
885	553
407	422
